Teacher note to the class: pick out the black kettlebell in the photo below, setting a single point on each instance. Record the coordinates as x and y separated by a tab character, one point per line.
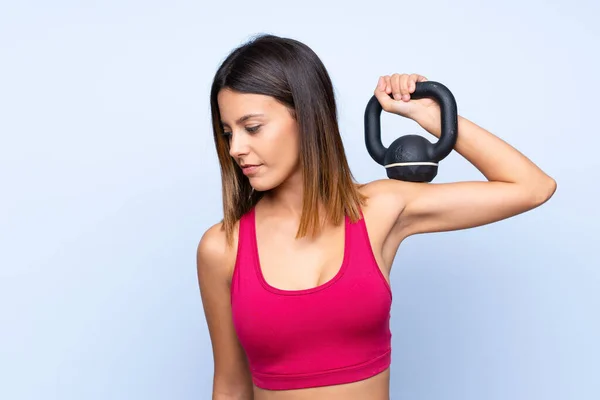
412	157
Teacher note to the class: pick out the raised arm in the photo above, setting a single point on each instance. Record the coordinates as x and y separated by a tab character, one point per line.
231	378
514	183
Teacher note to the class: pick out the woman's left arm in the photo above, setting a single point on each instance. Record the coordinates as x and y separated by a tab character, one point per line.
514	183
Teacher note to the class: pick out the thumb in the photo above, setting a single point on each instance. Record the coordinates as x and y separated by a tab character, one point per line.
388	103
385	100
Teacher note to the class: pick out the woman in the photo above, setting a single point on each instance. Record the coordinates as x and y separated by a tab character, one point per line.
295	279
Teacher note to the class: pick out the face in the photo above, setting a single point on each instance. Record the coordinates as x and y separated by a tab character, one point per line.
263	138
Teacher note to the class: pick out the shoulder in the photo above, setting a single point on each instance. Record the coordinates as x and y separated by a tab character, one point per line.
386	200
214	256
386	197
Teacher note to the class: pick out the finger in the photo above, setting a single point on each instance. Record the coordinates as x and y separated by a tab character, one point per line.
396	86
412	82
380	84
388	84
404	82
382	95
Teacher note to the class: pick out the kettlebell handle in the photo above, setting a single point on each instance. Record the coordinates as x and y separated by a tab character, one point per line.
449	122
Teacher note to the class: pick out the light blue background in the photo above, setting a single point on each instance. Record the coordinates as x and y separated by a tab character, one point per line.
109	178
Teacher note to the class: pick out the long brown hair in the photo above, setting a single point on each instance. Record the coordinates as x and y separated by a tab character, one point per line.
293	74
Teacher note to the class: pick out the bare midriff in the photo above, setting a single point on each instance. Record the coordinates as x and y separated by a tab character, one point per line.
374	388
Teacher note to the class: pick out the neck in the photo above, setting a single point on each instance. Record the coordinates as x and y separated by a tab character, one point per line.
286	199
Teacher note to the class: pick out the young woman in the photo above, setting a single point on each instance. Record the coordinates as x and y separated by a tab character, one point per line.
294	280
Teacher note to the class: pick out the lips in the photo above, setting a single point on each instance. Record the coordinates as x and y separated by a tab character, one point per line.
249	169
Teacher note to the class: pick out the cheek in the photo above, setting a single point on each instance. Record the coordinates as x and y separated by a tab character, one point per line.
291	151
284	148
293	139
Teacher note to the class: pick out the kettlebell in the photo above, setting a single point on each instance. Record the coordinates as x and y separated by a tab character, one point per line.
413	158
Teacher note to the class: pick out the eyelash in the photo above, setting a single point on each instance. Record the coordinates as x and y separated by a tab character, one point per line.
249	129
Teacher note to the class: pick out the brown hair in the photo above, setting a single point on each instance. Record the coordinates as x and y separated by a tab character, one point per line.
290	72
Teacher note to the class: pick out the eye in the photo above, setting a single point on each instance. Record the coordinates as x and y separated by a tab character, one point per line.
249	129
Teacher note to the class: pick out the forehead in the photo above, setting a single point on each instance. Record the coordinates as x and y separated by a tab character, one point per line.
234	104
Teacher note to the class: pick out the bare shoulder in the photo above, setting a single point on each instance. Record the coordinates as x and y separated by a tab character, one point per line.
215	263
214	254
383	189
386	202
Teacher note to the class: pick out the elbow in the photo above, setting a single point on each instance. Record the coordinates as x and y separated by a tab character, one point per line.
236	389
542	191
233	395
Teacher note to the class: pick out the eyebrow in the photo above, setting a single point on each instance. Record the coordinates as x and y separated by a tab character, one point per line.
244	118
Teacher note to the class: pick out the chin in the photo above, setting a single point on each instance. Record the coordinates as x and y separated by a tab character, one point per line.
271	179
260	184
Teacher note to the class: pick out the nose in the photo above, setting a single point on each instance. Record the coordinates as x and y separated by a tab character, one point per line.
238	145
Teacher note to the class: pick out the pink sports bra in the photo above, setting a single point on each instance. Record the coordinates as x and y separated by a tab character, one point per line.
335	333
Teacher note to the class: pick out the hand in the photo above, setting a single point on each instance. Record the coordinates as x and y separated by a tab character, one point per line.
401	86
